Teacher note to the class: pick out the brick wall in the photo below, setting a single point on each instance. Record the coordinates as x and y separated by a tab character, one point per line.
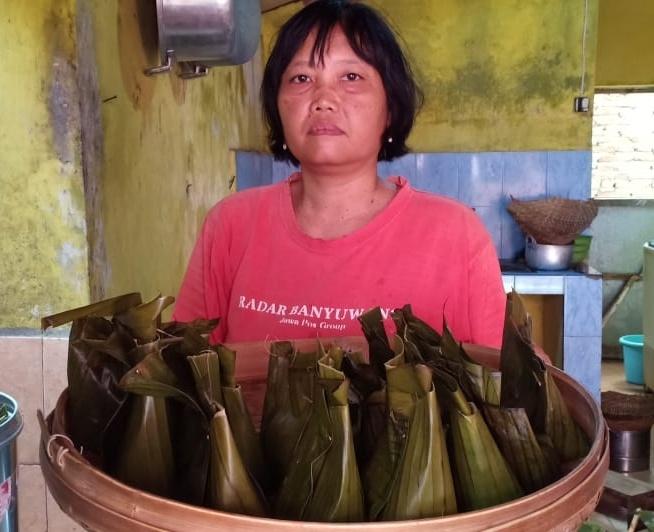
623	145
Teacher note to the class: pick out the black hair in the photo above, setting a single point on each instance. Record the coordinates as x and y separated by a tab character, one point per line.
371	39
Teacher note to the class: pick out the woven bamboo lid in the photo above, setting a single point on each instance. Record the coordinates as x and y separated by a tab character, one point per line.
553	220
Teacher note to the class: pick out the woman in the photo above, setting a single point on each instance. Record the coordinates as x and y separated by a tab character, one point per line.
305	257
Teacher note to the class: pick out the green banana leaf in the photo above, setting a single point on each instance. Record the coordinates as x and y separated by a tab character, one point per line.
323	481
143	320
409	476
145	456
97	360
287	404
471	377
569	441
527	384
482	475
523	372
647	518
517	441
492	387
229	485
106	307
404	341
367	400
379	348
189	434
418	332
240	420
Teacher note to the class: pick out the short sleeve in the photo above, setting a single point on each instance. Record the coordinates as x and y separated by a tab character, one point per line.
205	289
486	297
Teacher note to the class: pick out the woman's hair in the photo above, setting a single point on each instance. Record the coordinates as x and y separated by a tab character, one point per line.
372	40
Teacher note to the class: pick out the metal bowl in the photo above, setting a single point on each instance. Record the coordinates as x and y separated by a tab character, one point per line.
547	256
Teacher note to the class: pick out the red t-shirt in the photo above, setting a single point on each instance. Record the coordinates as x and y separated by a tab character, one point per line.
253	267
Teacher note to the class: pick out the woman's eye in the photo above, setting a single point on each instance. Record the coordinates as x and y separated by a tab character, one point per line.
300	78
352	76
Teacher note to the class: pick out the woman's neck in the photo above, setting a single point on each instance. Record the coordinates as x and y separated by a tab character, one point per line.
332	206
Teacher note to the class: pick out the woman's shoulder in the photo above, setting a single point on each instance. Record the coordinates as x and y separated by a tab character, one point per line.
433	205
244	203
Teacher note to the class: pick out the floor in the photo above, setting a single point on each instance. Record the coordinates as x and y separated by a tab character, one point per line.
613	379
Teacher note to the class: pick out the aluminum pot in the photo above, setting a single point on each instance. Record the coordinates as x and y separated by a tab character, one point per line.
547	256
206	33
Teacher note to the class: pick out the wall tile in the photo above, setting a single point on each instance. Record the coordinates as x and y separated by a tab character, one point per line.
438	173
582	360
524	175
281	170
480	178
253	169
55	356
582	308
31	499
568	174
513	239
405	166
540	284
493	222
509	282
22	378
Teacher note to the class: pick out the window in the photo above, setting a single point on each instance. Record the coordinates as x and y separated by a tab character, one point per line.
623	145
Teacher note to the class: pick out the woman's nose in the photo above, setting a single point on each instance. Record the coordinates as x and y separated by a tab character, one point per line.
324	99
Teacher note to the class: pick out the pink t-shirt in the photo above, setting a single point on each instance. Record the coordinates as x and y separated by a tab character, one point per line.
253	267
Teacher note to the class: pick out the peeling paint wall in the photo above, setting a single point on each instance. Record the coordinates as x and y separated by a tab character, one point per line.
625	44
43	265
167	153
497	75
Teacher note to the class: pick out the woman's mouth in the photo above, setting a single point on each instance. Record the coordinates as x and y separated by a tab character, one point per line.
325	129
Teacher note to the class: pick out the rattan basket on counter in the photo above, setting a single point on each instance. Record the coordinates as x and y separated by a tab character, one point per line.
99	502
553	220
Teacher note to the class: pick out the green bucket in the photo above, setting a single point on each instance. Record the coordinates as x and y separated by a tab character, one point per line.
11	423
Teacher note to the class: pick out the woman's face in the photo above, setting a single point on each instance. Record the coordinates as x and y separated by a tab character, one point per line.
333	113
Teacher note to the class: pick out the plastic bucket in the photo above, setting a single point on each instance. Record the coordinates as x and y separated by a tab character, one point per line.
9	430
632	354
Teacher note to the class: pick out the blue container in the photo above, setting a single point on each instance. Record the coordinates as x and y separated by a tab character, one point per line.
9	430
632	354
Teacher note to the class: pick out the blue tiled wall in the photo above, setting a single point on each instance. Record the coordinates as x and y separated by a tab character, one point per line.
485	181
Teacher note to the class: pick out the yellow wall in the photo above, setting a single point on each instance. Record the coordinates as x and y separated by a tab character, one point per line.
167	151
43	263
625	44
497	75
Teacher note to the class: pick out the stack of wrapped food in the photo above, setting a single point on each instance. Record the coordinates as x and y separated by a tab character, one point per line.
415	428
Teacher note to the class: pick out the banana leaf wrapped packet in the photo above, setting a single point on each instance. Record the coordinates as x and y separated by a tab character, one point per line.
127	435
287	404
144	458
323	483
482	475
228	454
527	384
97	360
368	386
409	476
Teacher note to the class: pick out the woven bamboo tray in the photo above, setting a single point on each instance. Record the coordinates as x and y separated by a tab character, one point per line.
99	502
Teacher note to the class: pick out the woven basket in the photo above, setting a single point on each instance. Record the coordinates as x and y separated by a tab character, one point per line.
553	220
100	502
624	411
